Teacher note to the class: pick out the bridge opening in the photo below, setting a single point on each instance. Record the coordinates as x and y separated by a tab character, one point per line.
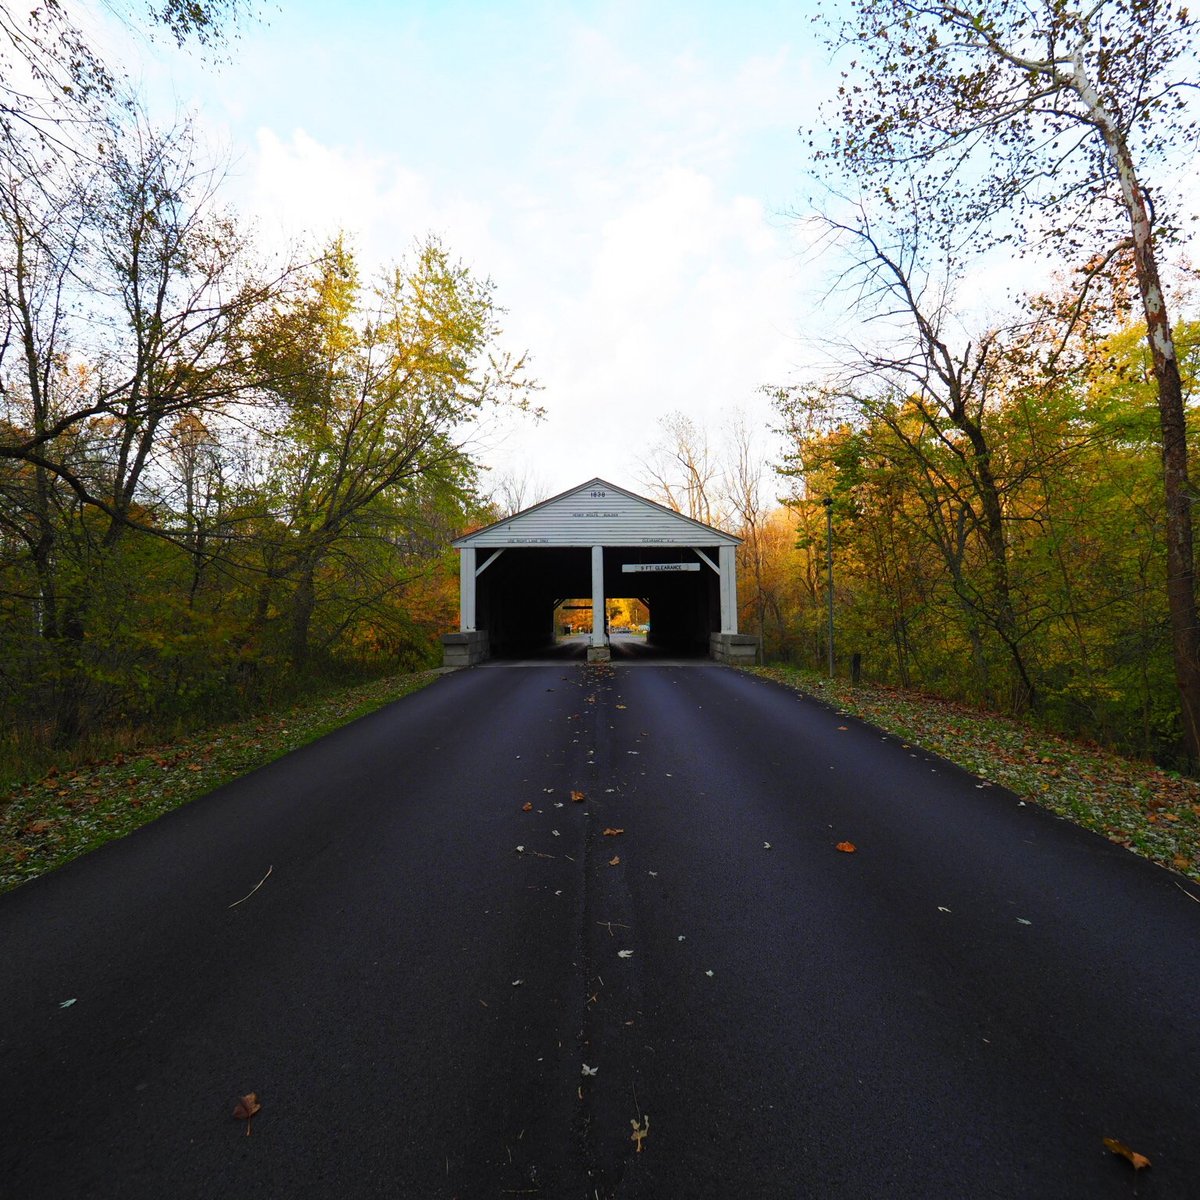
528	599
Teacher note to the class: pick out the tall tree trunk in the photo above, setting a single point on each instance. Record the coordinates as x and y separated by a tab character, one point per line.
1004	619
1181	564
303	604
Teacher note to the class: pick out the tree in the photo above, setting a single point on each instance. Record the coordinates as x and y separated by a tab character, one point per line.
52	73
1057	115
745	485
682	471
379	392
127	300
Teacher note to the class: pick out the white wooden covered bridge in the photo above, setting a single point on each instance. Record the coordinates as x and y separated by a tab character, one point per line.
602	541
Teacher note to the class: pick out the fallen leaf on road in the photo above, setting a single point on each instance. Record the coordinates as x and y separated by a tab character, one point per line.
527	806
1138	1160
624	953
578	797
846	847
65	1003
941	909
843	728
615	861
1022	921
589	1070
766	845
520	849
640	1132
247	1106
613	832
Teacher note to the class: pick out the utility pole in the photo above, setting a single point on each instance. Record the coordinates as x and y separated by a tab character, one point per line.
828	502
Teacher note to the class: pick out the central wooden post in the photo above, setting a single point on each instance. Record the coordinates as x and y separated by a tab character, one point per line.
598	645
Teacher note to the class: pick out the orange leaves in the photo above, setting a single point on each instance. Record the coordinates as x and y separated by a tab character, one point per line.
527	806
846	847
615	861
1138	1160
578	797
613	832
247	1106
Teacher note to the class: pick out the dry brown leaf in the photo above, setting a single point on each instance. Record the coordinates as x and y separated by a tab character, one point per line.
36	827
527	806
846	847
1138	1160
615	861
578	797
640	1132
247	1106
613	832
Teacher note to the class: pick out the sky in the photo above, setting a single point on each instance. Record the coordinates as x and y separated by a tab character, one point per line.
629	175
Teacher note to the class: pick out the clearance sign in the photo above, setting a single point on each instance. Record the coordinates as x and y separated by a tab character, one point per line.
628	567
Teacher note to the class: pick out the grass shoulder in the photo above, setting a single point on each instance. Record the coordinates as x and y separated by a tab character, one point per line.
49	821
1152	812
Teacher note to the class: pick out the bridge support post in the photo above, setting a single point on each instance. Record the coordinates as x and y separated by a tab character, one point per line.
466	589
726	556
598	650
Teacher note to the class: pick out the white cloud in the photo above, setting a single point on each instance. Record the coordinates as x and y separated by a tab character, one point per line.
618	189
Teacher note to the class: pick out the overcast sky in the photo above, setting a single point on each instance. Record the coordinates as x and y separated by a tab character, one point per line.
626	173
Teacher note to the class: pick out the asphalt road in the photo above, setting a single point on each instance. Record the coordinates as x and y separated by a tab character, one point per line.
964	1007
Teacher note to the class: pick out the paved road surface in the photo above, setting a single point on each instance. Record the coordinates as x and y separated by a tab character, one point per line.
965	1007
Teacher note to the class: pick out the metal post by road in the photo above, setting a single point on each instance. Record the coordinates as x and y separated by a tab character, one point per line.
829	571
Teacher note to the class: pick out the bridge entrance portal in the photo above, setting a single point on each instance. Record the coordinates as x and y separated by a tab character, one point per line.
593	543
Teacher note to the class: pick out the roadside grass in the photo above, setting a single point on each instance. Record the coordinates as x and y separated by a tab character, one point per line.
47	822
1149	811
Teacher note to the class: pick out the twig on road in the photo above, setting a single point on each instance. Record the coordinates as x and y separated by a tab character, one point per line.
254	888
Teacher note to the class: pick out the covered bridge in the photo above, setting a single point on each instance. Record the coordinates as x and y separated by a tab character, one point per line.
597	541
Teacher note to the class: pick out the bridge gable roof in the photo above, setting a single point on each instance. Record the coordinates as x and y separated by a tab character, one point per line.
597	513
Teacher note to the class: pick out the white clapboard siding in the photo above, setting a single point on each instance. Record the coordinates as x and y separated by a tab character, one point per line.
598	513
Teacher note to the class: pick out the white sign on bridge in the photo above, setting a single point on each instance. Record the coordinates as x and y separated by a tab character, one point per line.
660	567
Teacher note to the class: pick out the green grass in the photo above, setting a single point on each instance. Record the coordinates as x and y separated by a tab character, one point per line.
51	820
1152	812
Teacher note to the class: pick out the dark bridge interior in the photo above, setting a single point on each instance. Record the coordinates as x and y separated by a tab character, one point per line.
517	593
